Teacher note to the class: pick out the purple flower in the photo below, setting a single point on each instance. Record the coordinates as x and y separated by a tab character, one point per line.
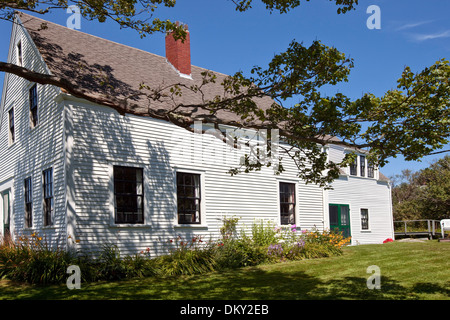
275	250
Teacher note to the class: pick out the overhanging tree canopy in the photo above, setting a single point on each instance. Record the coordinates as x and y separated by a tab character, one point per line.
412	120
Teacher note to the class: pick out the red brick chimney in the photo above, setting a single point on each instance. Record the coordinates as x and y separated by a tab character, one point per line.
178	53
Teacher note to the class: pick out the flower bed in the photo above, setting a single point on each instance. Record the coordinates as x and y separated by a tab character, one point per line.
30	260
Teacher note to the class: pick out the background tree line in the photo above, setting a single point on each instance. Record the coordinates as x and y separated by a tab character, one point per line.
423	194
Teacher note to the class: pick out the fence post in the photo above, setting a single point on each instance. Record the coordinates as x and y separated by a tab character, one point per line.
430	236
405	229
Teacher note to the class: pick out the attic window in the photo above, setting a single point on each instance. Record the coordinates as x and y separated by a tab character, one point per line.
12	135
33	106
19	54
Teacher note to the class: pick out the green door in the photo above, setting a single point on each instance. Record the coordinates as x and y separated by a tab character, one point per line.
340	219
6	213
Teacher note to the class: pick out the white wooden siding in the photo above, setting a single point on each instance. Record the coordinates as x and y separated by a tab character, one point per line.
102	139
34	149
362	193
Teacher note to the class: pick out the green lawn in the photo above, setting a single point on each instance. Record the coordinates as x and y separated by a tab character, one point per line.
408	271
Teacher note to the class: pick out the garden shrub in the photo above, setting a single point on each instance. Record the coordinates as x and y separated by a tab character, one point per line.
264	234
187	257
240	252
110	266
31	260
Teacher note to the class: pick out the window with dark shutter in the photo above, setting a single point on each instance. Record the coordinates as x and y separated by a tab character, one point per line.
48	196
28	203
188	198
129	195
287	203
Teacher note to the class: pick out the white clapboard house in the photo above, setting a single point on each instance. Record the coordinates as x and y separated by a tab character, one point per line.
81	175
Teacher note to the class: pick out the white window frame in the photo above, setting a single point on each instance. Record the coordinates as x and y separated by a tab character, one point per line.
358	167
368	219
52	216
202	223
112	198
31	126
297	211
10	140
19	58
32	203
362	174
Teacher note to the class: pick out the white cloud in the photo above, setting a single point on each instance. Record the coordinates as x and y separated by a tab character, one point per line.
413	25
430	36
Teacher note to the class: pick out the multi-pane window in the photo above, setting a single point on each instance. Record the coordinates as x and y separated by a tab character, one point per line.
188	198
370	169
19	54
33	106
129	195
354	167
48	196
287	203
362	165
365	219
28	203
12	133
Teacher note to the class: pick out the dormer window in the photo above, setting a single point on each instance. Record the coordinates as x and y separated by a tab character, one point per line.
370	170
354	167
362	166
19	54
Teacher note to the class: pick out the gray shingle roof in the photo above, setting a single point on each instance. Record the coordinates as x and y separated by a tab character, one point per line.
107	68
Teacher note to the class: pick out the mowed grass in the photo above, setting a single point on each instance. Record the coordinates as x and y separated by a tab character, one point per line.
408	271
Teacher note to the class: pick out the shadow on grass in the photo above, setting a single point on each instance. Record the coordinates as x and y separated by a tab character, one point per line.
244	284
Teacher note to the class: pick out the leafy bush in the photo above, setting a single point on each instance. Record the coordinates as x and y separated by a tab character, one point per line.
240	252
264	234
228	229
187	257
31	260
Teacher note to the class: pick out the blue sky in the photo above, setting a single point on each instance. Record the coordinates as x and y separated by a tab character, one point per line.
413	33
